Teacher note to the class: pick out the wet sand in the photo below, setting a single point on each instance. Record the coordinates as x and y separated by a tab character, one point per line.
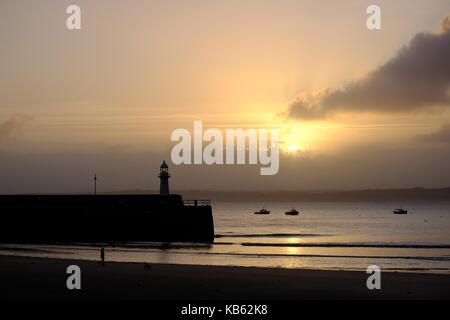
35	278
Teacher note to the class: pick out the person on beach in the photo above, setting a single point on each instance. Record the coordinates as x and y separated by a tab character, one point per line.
102	256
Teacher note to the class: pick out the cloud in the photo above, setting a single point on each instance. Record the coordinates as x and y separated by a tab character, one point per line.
417	78
440	136
14	123
445	24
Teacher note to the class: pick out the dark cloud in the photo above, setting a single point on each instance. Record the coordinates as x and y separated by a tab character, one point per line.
14	123
445	24
416	79
440	136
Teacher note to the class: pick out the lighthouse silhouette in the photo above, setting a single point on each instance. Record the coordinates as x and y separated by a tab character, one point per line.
164	176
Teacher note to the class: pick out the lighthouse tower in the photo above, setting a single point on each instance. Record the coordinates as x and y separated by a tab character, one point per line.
164	176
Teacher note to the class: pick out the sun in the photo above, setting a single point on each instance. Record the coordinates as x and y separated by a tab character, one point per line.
296	138
293	148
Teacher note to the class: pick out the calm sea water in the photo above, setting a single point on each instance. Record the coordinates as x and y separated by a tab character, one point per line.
343	236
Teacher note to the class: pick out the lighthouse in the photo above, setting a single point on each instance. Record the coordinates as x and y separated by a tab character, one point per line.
164	176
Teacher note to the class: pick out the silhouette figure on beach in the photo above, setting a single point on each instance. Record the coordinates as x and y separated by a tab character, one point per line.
102	256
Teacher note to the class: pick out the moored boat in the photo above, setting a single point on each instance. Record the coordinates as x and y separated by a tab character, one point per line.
400	211
263	211
292	212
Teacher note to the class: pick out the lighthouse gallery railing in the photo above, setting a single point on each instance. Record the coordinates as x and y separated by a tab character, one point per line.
197	203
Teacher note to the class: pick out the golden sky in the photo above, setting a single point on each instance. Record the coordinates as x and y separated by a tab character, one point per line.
140	69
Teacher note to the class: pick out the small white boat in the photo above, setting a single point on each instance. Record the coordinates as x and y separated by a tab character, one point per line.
262	211
292	212
400	211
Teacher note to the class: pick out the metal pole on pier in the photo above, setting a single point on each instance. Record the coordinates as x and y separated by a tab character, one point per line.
95	184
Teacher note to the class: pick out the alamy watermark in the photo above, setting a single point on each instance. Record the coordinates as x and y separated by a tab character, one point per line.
373	22
73	281
73	21
374	280
236	146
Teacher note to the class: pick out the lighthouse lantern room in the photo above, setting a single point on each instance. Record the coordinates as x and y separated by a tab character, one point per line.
164	176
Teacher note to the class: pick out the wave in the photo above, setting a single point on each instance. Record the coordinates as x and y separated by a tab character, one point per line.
140	246
272	255
268	235
25	250
348	245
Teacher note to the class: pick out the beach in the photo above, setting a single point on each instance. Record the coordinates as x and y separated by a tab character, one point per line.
42	279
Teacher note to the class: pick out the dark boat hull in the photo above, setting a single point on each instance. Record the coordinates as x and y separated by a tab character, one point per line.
103	218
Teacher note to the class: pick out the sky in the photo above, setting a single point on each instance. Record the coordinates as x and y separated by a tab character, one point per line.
356	108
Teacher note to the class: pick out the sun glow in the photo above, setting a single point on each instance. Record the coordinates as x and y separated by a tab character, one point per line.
293	148
298	138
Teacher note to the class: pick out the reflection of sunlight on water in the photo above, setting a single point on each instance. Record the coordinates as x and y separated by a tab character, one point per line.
294	250
294	262
293	240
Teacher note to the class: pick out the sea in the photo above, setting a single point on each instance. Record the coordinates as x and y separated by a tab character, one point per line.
325	236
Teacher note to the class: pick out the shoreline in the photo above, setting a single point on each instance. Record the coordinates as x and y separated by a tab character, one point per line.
418	271
45	279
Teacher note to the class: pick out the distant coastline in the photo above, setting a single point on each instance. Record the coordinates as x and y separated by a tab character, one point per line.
367	195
